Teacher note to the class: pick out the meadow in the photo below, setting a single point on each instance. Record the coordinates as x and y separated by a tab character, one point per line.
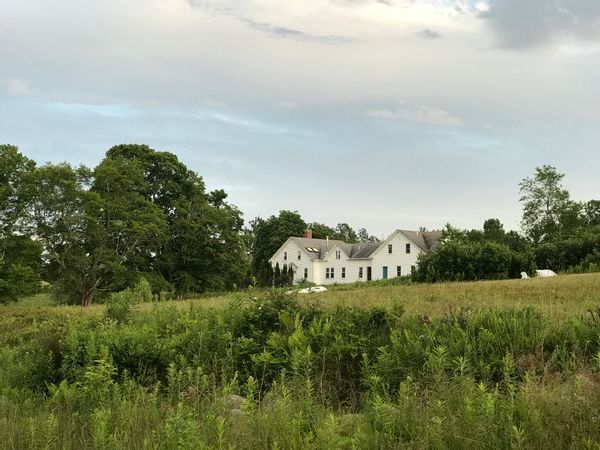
502	364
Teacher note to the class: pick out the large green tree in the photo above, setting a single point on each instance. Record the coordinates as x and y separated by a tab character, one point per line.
547	206
205	246
20	256
16	172
97	228
61	216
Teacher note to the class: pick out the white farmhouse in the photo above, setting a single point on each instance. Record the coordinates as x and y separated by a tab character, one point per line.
328	261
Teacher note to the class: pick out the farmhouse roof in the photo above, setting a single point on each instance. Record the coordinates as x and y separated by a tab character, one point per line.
320	248
426	240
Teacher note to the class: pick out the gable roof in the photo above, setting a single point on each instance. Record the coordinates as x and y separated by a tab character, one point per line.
425	240
364	250
320	248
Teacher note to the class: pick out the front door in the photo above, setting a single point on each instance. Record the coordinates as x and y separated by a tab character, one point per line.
368	274
385	272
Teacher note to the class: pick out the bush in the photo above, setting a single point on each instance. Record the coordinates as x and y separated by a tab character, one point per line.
462	260
118	306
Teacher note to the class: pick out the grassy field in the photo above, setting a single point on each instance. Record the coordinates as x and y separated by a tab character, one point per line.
556	298
503	364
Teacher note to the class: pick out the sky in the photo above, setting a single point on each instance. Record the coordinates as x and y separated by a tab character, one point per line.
383	114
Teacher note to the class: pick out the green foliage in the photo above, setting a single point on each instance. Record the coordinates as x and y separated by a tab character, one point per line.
118	306
205	249
464	260
268	235
547	207
139	212
310	377
15	190
20	257
17	281
20	267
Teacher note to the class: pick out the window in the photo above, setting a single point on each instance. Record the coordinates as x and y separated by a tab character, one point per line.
327	272
331	272
337	254
413	269
360	272
343	272
285	256
385	272
398	271
390	248
305	273
299	255
407	248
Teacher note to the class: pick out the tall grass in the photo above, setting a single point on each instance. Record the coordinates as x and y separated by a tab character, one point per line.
308	374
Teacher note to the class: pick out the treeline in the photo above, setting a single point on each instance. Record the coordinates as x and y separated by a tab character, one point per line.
88	232
558	234
140	213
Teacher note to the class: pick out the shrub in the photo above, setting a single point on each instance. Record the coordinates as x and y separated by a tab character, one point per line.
118	306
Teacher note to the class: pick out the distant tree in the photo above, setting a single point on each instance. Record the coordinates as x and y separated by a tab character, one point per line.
285	275
546	204
277	275
321	231
592	212
265	275
344	232
364	236
452	234
270	234
493	230
288	275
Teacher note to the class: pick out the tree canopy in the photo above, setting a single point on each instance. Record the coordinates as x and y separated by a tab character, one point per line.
139	213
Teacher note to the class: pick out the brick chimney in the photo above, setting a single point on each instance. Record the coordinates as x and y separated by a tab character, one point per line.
308	234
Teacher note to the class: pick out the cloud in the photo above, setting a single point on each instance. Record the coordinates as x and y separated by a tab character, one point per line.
274	30
429	34
16	87
290	33
428	115
531	23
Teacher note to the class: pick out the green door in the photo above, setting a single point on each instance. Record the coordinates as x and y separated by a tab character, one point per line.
385	272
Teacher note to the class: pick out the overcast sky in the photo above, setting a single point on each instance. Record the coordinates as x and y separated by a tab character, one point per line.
380	113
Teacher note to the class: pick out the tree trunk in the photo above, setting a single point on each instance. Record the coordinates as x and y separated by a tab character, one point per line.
87	297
